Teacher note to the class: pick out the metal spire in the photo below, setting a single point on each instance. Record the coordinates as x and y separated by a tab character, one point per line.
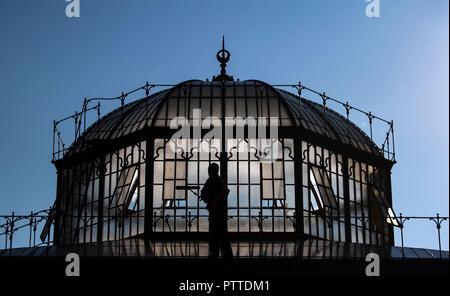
223	56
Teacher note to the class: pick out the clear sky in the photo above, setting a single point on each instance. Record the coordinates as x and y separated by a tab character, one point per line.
396	66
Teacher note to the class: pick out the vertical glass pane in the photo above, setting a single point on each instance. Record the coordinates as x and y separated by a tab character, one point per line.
192	172
289	172
278	169
169	187
232	172
243	172
278	189
254	172
255	198
267	189
181	170
169	172
243	195
266	170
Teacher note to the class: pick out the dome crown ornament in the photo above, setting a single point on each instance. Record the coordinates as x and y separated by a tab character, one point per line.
223	56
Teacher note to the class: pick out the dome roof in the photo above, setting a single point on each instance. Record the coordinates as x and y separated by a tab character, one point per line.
241	99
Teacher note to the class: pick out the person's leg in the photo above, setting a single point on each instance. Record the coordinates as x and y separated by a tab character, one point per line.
214	238
225	245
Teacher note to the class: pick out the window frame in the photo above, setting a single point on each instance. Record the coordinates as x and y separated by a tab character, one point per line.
131	187
320	189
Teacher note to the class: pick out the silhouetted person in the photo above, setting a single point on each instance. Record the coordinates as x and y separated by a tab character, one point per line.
215	193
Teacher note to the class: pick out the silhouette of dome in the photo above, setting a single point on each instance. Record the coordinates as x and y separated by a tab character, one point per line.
241	98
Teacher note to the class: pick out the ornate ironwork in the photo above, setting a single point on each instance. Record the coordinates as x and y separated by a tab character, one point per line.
387	147
223	56
438	220
259	220
14	223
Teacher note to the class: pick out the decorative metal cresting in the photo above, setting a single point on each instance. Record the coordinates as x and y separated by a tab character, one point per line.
42	222
259	220
387	147
38	222
80	118
437	220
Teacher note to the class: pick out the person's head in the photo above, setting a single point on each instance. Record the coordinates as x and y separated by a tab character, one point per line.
213	170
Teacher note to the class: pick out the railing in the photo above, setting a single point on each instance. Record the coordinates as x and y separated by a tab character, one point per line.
384	140
80	118
387	146
28	226
35	223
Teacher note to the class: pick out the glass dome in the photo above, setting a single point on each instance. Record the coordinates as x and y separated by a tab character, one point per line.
241	99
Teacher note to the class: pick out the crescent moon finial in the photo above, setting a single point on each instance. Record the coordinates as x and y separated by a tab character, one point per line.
223	56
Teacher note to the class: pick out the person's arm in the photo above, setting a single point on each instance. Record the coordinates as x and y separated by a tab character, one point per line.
224	192
205	194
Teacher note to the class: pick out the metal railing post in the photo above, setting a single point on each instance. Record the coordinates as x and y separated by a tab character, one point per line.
11	234
49	227
438	220
401	225
31	229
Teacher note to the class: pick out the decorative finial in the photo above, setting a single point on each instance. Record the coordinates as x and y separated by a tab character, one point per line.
223	56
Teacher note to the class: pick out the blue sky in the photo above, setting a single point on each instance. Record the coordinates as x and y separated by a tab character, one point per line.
396	66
